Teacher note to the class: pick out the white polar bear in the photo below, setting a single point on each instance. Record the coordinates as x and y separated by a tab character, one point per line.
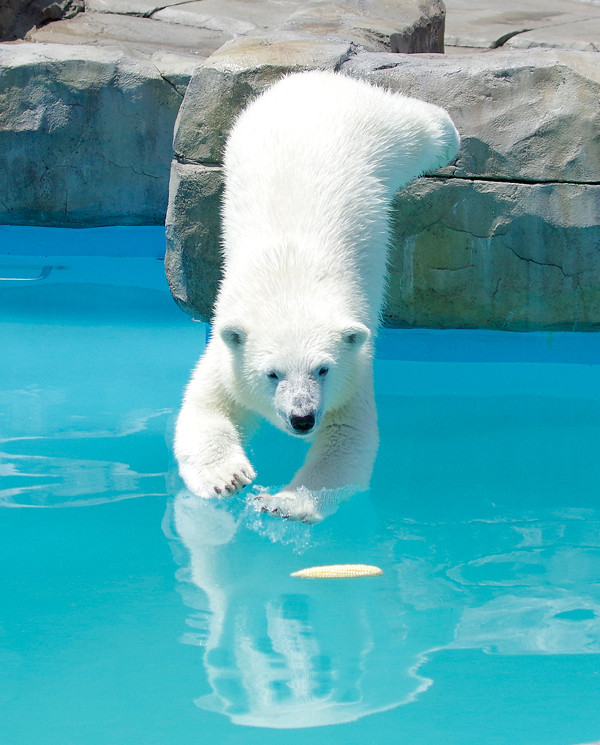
310	168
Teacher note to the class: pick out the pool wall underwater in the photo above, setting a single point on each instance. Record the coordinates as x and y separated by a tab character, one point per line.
132	613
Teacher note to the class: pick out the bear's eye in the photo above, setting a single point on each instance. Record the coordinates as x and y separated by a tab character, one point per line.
273	375
323	372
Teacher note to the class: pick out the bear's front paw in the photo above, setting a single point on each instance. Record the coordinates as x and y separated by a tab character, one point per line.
290	505
218	479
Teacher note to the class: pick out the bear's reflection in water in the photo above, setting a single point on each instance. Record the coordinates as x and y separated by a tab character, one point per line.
279	651
283	652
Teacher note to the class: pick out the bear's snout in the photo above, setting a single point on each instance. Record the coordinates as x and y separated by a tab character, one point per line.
298	402
302	424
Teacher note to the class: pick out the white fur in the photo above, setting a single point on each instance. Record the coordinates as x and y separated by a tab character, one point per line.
310	168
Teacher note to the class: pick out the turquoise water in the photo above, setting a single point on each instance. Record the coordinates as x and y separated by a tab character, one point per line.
132	614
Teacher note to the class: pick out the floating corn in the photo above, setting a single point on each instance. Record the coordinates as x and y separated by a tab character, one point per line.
338	571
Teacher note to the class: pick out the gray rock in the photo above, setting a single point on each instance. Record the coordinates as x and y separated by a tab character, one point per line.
131	35
497	255
239	71
398	26
193	261
201	27
140	8
509	238
505	238
522	116
85	135
582	35
513	23
89	108
235	17
17	17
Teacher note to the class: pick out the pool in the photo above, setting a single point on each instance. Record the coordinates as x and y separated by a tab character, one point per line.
132	613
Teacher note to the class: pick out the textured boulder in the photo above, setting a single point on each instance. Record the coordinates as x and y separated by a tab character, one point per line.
523	116
316	35
193	259
397	25
505	238
232	76
215	95
17	17
88	109
407	26
509	236
137	36
85	135
500	255
491	24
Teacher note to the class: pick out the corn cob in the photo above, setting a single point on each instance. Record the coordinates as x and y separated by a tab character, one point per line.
337	571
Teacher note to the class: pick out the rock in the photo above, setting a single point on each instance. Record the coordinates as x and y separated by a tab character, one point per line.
202	27
236	17
85	135
509	238
505	238
89	108
522	116
513	23
235	74
398	26
193	260
132	35
139	8
497	255
580	35
17	17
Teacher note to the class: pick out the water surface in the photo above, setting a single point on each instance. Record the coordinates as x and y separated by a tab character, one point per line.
132	613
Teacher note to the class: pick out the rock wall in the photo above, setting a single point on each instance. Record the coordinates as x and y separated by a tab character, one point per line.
506	238
87	111
85	135
510	236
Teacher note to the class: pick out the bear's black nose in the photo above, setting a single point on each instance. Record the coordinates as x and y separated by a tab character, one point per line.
302	423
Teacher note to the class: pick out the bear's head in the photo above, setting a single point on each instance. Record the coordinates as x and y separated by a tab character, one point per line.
293	376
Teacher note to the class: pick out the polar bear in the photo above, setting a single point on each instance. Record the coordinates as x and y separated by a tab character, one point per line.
310	168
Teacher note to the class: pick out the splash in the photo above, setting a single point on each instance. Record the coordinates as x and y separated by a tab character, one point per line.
292	522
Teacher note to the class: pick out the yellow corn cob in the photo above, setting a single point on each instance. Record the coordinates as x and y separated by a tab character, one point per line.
337	571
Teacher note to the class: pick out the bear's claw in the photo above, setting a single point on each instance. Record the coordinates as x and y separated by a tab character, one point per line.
218	482
288	508
238	481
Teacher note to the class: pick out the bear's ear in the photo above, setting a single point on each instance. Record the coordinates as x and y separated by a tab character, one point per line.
355	335
233	335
